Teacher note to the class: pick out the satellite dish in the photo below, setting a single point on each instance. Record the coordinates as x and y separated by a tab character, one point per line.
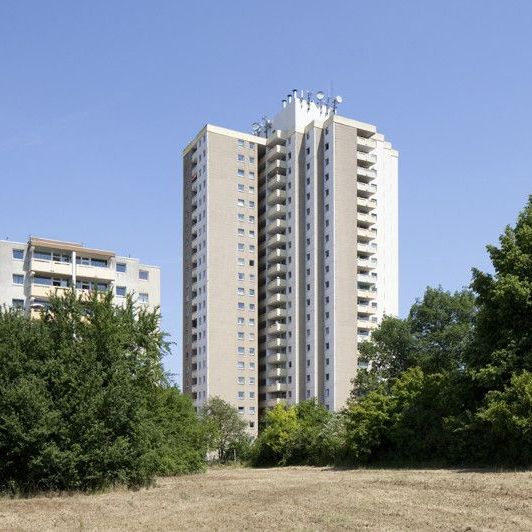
320	95
338	99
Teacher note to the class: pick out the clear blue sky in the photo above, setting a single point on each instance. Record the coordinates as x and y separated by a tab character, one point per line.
98	98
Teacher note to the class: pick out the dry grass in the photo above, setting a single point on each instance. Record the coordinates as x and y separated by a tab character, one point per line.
293	498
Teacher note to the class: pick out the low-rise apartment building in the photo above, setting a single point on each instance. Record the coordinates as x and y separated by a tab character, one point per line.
30	272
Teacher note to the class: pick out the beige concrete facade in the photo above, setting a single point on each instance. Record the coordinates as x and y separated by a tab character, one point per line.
30	272
327	264
220	296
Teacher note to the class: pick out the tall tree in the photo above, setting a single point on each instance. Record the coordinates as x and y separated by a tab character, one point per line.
502	343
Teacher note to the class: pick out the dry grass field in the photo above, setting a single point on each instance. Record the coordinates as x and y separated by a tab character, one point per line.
297	498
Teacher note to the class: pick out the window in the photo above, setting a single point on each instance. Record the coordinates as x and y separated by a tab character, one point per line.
241	380
121	267
144	275
90	261
240	187
240	335
17	303
241	306
143	298
251	145
240	365
240	143
240	247
252	160
42	255
241	276
241	350
85	285
251	175
241	396
240	172
240	291
18	254
18	279
241	232
241	203
240	321
240	157
241	217
121	291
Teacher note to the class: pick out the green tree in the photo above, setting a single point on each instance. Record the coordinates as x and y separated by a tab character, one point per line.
502	344
275	443
225	431
82	392
434	337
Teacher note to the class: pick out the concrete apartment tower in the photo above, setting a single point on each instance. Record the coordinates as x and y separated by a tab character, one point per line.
31	271
290	249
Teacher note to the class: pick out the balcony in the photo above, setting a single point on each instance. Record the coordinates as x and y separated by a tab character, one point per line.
368	294
275	138
277	285
366	159
273	401
366	234
276	241
366	219
95	272
366	204
276	314
364	278
277	227
278	181
276	329
276	387
365	145
366	309
277	300
367	264
276	358
276	212
365	248
276	152
276	343
365	324
277	270
49	266
366	189
276	167
273	373
277	197
277	255
45	291
366	174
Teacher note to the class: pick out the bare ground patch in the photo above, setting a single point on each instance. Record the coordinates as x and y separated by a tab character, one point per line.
296	498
